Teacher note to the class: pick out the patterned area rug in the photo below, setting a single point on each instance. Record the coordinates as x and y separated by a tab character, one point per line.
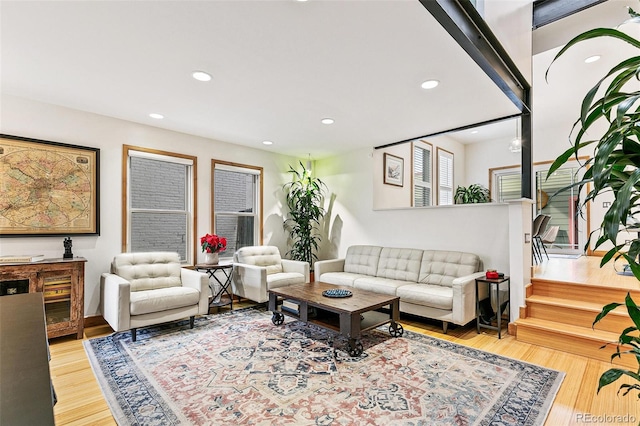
239	368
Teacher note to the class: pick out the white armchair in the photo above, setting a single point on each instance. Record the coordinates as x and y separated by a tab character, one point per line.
257	269
151	288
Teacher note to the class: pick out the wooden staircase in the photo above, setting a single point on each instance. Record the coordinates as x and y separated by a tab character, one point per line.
559	315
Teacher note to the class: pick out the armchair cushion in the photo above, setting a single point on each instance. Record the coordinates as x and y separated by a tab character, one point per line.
267	256
163	299
147	271
284	279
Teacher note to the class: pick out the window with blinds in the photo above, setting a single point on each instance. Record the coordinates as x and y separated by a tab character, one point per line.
508	186
160	202
236	205
422	174
445	177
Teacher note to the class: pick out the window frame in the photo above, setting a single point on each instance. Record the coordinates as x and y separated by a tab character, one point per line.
439	151
428	147
191	191
259	204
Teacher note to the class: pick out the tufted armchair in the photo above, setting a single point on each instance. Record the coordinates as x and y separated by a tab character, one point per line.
151	288
257	269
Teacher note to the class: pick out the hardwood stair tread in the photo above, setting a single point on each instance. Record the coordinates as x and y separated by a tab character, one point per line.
568	329
586	306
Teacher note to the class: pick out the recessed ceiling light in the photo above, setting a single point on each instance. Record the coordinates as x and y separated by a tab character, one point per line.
328	121
430	84
201	76
267	143
156	116
591	59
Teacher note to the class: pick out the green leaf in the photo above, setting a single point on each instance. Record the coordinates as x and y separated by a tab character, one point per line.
605	310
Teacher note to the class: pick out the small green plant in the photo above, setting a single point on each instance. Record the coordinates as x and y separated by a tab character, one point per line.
305	199
629	338
472	194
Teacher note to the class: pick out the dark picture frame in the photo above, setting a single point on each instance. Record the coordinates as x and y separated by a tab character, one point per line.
48	188
393	170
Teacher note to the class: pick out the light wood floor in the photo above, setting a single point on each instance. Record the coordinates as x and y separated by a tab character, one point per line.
80	400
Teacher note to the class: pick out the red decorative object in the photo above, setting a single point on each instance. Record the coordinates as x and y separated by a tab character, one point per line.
492	274
213	243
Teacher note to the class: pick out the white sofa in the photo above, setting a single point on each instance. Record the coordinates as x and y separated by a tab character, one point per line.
151	288
434	284
257	269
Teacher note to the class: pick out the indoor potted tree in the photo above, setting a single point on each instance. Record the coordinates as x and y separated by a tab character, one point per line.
305	199
614	167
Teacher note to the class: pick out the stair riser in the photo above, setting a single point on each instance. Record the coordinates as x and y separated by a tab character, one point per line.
573	344
584	318
600	295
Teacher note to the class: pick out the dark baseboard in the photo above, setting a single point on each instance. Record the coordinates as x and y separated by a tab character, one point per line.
94	321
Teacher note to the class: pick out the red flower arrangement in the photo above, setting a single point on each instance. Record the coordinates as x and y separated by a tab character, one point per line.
213	243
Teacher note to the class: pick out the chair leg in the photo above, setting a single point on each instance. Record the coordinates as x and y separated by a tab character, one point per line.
534	250
445	326
544	248
191	321
133	335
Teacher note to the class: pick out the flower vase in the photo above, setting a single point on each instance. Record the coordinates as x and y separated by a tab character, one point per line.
211	258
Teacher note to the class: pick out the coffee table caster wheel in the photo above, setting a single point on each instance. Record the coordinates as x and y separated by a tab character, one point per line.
396	331
277	318
355	350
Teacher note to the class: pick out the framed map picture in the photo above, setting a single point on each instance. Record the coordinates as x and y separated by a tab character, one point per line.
48	188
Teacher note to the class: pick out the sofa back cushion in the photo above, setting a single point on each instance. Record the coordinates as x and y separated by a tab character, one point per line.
399	264
362	260
441	267
267	256
148	271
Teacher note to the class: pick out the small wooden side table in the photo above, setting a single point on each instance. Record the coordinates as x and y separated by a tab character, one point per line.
490	282
225	284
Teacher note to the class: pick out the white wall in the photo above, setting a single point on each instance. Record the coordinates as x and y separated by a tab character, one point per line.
480	229
480	157
511	21
32	119
389	196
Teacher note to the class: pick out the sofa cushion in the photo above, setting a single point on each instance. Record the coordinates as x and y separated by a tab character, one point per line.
399	264
340	278
379	285
434	296
441	267
163	299
284	279
362	260
149	270
267	256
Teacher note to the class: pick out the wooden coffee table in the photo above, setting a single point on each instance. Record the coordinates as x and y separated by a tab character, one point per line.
349	316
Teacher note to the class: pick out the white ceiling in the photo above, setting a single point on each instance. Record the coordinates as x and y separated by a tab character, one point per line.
278	68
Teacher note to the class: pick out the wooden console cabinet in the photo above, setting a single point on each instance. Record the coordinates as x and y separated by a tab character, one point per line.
62	283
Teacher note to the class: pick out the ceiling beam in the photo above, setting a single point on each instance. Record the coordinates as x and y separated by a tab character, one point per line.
548	11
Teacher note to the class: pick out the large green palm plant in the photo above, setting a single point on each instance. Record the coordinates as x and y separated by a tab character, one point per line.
305	199
614	167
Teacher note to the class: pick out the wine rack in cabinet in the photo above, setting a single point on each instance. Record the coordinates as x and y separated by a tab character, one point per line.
62	283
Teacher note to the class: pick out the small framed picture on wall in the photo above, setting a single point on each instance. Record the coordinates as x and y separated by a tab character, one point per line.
393	170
